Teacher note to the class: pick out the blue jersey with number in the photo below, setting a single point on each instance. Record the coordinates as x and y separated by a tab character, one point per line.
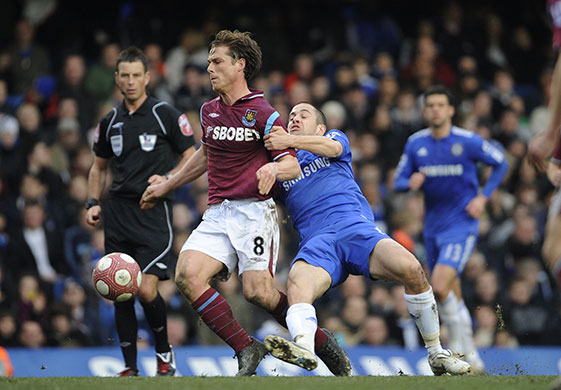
326	192
450	168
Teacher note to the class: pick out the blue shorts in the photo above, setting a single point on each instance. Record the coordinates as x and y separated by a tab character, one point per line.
452	250
342	249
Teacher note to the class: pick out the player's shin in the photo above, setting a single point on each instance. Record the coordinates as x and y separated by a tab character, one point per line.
450	316
302	324
422	308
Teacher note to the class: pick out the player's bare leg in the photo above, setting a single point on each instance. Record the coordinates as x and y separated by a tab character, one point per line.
551	249
391	261
305	284
193	273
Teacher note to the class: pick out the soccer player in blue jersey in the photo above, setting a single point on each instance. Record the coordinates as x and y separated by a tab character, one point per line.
442	162
339	237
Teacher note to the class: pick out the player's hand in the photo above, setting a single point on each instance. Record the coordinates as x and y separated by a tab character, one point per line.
157	179
93	216
277	139
151	194
266	176
476	206
541	147
416	180
554	173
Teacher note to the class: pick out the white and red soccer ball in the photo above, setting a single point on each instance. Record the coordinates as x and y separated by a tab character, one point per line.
117	277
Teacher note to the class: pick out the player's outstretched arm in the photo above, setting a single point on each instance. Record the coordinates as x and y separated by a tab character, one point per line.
96	183
192	169
542	145
279	139
287	168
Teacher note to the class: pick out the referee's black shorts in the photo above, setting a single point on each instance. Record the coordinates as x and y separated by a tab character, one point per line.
146	235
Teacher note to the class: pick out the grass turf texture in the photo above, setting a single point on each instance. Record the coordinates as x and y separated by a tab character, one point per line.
281	383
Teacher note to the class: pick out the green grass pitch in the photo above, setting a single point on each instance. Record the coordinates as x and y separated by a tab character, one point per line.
283	383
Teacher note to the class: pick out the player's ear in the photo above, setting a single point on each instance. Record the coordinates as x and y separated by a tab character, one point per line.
147	78
321	129
241	63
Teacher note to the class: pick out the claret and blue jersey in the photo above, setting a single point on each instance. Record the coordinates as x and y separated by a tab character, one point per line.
450	168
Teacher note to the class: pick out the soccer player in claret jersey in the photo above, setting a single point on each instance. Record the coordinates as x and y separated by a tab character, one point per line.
442	162
339	237
240	227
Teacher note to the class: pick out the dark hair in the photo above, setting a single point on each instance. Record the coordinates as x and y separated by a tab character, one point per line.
439	90
240	45
132	54
320	116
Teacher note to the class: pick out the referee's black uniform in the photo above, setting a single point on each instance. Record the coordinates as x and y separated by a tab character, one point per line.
140	144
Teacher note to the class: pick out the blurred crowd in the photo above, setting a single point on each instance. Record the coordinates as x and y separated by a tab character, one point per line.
366	70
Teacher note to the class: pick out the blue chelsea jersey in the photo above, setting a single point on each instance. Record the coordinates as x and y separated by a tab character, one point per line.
450	168
326	192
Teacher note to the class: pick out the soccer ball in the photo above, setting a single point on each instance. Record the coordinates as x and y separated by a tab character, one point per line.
117	277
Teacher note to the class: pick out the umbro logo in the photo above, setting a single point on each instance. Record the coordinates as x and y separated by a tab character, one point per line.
214	115
422	152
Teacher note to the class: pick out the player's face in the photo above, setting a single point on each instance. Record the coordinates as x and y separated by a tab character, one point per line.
223	69
302	120
132	79
438	112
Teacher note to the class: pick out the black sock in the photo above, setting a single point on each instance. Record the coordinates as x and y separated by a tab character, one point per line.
127	328
155	313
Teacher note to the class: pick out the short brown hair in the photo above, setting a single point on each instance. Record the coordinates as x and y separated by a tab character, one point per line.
132	54
240	45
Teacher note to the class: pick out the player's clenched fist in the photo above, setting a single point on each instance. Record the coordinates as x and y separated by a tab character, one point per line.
266	176
277	139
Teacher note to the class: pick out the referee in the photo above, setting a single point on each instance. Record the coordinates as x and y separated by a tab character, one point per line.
143	138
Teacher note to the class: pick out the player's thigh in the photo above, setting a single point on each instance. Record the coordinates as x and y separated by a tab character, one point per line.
454	250
306	282
209	241
323	250
552	243
254	233
391	261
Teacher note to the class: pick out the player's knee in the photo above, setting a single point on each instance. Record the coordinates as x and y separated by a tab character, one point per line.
440	290
413	276
187	281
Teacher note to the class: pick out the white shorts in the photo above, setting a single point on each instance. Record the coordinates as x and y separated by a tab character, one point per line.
243	233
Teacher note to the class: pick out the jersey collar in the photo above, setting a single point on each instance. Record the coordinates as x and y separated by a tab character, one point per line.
142	110
254	93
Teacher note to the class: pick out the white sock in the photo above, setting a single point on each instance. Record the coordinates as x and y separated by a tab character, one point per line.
422	308
468	343
302	324
451	319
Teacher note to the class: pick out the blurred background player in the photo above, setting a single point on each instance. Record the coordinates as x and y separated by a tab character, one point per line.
441	161
240	228
338	237
142	138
